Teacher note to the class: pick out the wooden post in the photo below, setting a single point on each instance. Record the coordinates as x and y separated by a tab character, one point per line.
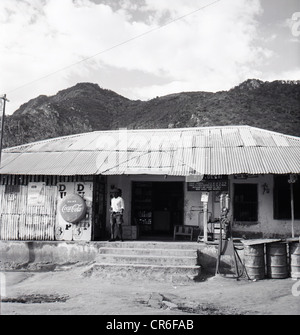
205	237
292	208
291	181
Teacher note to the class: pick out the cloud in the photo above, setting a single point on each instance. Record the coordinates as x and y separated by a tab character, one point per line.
211	49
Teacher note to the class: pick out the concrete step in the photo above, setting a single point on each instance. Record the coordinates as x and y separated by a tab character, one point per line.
152	245
146	259
149	251
174	274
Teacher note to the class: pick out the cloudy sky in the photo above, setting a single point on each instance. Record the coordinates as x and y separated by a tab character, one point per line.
145	48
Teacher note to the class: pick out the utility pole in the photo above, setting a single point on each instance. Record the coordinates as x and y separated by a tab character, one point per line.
2	123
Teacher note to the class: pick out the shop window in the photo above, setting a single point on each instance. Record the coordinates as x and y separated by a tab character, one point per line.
245	202
282	198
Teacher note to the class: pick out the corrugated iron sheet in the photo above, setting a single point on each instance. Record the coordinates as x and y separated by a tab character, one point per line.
209	150
18	221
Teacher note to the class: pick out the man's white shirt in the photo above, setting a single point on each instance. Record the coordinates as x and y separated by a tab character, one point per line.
117	204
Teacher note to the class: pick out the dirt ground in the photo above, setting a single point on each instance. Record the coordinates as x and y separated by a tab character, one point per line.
72	292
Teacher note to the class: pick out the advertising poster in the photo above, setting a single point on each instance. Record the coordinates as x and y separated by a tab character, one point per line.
36	194
82	230
63	230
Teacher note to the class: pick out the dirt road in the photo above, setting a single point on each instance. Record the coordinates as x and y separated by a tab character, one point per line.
71	292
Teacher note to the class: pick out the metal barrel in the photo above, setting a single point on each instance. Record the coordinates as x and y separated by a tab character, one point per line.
254	261
294	253
277	266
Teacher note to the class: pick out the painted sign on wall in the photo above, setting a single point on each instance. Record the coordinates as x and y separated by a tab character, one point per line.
216	184
74	222
73	208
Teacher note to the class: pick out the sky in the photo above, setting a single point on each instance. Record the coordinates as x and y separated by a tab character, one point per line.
142	49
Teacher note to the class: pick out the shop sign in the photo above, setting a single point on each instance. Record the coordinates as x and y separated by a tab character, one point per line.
73	208
208	185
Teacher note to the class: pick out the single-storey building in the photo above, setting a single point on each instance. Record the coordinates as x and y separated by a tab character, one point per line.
168	178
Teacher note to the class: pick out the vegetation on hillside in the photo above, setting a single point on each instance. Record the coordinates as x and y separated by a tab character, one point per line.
86	107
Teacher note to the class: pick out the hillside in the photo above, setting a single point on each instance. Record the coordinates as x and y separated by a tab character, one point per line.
87	107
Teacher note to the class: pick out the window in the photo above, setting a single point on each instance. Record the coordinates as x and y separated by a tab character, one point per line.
282	198
245	204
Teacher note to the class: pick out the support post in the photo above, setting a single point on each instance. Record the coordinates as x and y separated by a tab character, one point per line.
292	179
205	219
292	208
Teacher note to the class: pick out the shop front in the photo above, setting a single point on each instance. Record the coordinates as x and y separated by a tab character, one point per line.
169	178
153	204
260	205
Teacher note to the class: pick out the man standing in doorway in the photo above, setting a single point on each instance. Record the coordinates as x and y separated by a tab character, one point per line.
116	214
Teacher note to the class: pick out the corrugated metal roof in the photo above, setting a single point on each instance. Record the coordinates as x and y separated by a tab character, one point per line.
179	152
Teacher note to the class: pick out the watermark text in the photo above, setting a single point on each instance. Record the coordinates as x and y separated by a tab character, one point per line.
2	285
296	24
296	289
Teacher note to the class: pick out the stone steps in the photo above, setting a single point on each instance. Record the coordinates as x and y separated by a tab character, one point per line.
146	259
178	274
162	261
151	245
148	251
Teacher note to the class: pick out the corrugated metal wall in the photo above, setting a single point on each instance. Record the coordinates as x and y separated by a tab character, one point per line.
18	221
25	218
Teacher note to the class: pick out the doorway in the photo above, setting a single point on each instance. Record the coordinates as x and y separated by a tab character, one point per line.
157	207
99	209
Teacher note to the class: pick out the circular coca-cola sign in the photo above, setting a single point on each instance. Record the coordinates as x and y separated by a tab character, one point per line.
72	208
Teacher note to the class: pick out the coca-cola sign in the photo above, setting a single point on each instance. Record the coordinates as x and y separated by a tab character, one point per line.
72	208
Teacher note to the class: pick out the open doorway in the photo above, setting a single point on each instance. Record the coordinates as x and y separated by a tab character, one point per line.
99	209
157	207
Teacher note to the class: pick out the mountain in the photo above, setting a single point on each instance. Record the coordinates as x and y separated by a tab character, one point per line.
86	107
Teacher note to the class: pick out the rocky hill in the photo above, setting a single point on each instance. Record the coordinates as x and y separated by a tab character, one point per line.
87	107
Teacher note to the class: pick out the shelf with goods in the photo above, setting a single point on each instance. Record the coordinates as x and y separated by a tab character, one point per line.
142	206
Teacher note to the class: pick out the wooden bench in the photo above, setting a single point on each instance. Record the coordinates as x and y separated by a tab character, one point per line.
183	231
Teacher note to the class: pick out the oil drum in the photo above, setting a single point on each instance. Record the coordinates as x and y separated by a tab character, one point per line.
294	259
254	261
277	267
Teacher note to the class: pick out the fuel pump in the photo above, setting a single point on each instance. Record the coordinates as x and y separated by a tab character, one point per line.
225	224
226	245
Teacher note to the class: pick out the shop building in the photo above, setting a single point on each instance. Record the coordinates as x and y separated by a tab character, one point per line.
168	178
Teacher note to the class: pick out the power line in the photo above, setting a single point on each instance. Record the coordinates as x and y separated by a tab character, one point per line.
116	46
